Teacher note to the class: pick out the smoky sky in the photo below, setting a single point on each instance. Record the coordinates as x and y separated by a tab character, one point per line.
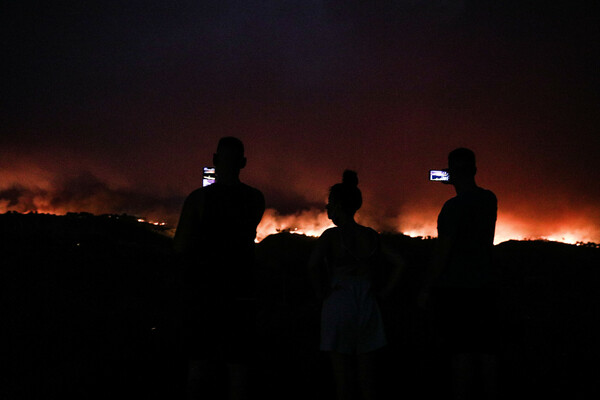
136	95
86	192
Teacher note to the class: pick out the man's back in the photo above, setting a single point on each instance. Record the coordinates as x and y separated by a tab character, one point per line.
215	238
220	227
230	216
468	221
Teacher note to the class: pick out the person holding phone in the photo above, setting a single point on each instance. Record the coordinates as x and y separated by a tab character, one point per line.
461	283
343	268
215	241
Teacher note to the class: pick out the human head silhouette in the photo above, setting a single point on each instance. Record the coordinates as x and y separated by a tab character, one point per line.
461	166
229	158
344	198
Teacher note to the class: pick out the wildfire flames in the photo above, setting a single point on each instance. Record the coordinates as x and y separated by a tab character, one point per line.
314	222
88	194
308	222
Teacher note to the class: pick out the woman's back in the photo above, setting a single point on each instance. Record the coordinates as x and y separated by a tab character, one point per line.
353	250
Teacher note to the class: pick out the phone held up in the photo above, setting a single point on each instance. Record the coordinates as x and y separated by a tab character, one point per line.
438	175
208	176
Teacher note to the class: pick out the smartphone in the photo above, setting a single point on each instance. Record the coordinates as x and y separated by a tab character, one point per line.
209	176
439	175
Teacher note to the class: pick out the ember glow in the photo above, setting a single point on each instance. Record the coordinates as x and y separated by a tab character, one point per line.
572	231
32	191
314	222
308	222
155	223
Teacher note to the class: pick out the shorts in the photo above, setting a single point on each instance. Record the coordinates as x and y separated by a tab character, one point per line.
466	320
351	322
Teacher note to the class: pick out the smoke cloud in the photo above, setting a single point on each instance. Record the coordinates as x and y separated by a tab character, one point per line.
85	192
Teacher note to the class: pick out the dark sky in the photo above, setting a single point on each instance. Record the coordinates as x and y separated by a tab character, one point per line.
116	106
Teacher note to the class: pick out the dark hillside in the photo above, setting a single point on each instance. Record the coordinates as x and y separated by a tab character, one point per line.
80	297
548	301
551	311
92	308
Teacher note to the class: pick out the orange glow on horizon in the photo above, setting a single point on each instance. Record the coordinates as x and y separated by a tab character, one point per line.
308	222
314	222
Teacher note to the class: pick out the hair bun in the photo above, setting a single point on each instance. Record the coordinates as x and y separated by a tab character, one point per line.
350	178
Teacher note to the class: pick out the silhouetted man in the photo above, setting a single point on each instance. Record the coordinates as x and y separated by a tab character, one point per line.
215	238
462	279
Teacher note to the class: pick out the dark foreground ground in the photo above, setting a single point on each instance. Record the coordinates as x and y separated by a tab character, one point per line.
91	309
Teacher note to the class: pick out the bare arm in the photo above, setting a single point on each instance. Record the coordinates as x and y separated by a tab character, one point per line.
398	265
441	254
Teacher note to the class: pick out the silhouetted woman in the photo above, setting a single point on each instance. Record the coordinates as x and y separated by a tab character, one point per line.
342	268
